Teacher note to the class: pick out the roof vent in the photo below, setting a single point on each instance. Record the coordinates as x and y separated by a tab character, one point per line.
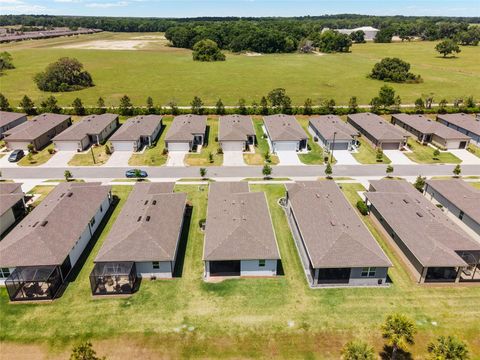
419	214
333	223
146	202
69	194
139	219
44	223
154	202
35	224
406	201
147	218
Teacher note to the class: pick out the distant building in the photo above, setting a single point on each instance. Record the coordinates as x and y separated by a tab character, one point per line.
370	32
9	120
466	124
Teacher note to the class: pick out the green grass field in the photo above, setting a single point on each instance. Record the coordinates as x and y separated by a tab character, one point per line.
367	154
424	154
170	74
247	318
86	158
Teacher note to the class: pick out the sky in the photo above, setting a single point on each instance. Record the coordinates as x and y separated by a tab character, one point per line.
194	8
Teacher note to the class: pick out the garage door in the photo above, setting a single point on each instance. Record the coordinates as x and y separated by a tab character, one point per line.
13	145
391	146
66	145
285	146
233	145
122	145
340	145
178	146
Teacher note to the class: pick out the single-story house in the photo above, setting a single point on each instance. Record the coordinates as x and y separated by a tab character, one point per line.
143	242
137	132
39	131
430	131
284	133
43	248
378	132
432	245
369	31
458	197
186	133
8	120
92	129
466	124
12	206
335	246
332	132
236	132
239	236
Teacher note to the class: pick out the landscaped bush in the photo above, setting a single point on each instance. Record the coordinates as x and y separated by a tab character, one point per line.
207	50
394	70
362	207
66	74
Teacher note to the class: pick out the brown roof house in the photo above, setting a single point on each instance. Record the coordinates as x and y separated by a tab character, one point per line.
143	242
12	208
459	198
430	131
92	129
137	132
39	131
335	246
332	133
284	133
43	248
435	248
8	120
379	132
236	132
466	124
186	133
239	236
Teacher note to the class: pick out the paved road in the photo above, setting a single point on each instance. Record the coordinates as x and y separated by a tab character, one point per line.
235	171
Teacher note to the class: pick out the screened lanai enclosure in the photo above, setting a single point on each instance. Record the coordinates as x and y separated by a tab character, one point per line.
113	278
33	283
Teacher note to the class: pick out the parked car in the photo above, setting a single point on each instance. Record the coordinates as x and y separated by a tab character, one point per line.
136	173
16	155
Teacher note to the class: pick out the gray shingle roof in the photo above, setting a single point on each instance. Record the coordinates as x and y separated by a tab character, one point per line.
6	117
135	127
462	120
377	127
10	194
461	194
235	128
332	232
49	232
284	127
89	125
427	126
238	226
39	125
184	126
426	231
327	125
148	227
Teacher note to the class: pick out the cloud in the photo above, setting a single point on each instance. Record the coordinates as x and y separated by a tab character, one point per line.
20	7
107	5
67	1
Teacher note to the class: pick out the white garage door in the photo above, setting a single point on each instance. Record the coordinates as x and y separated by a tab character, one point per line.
13	145
285	146
66	145
391	146
178	146
232	145
122	145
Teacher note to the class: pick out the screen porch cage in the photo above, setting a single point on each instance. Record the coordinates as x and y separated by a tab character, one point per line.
113	278
34	283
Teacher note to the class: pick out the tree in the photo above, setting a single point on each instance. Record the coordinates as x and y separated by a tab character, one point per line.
329	105
386	95
4	104
108	151
278	98
470	102
358	350
397	102
50	105
469	37
436	154
125	107
375	104
264	106
203	173
357	37
384	36
362	207
419	105
266	171
394	70
66	74
173	107
78	107
389	170
448	348
219	107
399	331
457	170
442	106
68	175
331	41
84	352
329	170
267	157
242	108
27	105
420	183
379	155
31	148
150	106
207	50
210	157
197	105
307	107
352	105
447	47
5	62
100	106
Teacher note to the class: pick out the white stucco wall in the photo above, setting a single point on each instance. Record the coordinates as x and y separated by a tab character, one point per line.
357	280
146	270
251	268
6	220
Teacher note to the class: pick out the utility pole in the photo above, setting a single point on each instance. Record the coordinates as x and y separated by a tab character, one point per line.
333	147
93	156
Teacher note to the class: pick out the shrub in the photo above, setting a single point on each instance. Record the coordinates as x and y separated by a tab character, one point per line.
207	50
66	74
51	151
394	70
362	207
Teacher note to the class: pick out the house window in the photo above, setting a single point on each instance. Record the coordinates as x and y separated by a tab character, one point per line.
92	221
368	272
101	208
261	263
156	264
4	272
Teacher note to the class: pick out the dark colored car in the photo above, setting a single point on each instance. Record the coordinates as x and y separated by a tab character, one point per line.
136	173
16	155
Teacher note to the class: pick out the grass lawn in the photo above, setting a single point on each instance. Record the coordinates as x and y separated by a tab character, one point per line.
424	154
315	156
261	148
367	154
86	159
475	184
475	150
178	77
42	190
240	318
38	158
212	146
153	156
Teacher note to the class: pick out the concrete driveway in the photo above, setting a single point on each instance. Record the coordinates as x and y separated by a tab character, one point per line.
60	159
119	158
4	163
233	158
397	157
175	158
288	158
466	156
344	157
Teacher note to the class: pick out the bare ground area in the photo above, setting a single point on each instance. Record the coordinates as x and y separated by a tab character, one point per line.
111	45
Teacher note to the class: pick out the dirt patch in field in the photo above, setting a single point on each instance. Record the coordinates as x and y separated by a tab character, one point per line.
111	45
253	54
149	37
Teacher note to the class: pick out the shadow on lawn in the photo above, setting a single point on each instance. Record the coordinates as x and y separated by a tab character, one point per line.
386	354
182	246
